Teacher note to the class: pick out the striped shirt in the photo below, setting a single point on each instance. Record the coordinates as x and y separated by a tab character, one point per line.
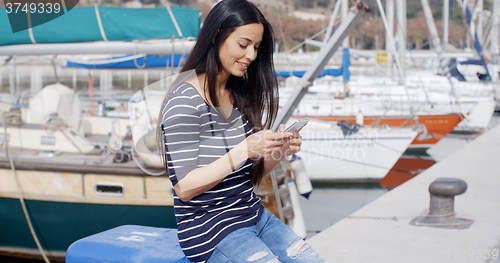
195	136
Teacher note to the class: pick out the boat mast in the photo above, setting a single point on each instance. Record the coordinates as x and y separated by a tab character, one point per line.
401	34
434	37
477	45
331	25
389	33
495	29
347	25
344	12
345	45
446	20
390	41
392	46
479	10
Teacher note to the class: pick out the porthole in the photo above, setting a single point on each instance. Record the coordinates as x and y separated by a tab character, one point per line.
109	189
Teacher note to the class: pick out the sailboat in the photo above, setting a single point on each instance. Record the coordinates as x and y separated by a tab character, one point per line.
438	104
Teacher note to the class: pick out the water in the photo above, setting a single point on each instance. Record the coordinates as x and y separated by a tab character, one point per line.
330	203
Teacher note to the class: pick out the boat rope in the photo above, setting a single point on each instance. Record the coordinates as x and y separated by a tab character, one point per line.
55	70
101	28
57	124
407	44
393	50
115	142
64	6
21	198
30	29
361	163
135	57
174	20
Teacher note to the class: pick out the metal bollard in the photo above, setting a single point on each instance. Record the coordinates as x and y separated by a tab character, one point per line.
442	201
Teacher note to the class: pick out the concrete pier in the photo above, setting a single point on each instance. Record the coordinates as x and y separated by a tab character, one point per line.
380	231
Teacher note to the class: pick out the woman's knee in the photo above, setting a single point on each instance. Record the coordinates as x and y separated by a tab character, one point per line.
300	251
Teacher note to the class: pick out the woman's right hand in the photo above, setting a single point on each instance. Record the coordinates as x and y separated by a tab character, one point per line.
262	144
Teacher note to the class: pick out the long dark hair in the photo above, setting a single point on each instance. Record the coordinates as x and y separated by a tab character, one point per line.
256	93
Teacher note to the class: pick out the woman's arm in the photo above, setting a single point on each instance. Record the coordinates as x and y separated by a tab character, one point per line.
205	178
262	144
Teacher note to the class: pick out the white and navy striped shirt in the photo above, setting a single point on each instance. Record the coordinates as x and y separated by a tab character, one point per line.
195	136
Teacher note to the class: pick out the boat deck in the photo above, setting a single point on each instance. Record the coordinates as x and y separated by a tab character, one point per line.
380	231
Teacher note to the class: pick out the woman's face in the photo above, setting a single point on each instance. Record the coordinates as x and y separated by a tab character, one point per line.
240	48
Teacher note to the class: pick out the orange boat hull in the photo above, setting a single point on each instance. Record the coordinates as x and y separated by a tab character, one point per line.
405	168
438	126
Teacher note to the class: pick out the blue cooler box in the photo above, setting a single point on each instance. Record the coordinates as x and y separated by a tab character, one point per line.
128	243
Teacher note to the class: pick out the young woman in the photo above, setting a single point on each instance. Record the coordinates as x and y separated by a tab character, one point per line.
214	128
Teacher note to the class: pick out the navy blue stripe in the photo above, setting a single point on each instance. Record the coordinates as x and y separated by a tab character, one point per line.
207	218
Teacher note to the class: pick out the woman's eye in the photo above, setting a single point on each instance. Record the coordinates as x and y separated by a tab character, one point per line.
242	46
257	48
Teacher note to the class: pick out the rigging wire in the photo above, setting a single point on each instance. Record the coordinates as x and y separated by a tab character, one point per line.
21	197
360	163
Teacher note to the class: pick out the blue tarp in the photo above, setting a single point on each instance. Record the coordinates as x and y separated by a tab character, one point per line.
343	71
454	71
151	61
118	24
473	62
346	62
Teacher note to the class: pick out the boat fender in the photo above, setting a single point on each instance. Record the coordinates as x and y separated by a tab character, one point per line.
360	118
301	178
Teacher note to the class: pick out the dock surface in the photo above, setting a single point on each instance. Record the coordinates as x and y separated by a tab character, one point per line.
380	231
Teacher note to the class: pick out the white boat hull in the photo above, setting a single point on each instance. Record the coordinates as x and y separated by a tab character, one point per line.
367	154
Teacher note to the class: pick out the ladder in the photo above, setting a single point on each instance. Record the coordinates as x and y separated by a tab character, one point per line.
275	193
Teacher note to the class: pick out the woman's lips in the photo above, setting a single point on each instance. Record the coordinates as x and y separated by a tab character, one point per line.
242	65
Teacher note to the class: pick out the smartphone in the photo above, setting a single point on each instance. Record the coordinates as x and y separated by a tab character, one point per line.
297	125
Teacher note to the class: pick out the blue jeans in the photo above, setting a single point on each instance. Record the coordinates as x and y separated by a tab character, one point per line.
267	241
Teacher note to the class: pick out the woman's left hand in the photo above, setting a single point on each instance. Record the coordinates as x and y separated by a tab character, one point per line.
293	144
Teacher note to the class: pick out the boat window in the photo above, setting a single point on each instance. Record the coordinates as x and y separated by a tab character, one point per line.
2	137
109	189
48	140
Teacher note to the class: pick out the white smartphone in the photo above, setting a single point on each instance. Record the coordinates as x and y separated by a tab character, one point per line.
297	125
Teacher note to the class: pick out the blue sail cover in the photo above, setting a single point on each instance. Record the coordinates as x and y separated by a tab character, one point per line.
477	45
454	71
81	24
131	62
346	62
343	71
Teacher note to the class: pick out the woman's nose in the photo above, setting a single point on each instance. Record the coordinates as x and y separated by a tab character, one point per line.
251	53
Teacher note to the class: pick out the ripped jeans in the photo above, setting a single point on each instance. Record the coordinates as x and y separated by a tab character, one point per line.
267	241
